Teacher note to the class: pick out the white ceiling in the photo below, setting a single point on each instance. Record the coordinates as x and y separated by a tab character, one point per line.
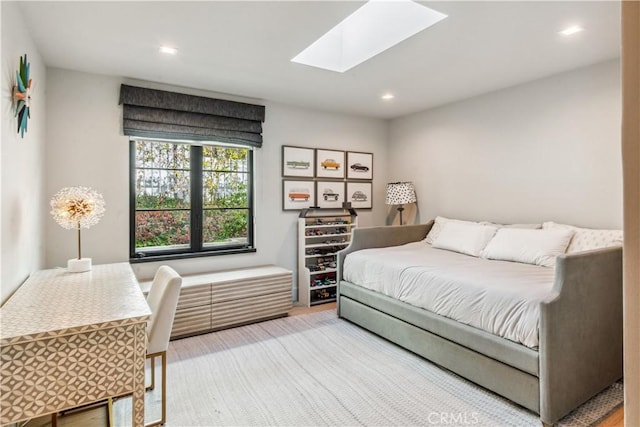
244	48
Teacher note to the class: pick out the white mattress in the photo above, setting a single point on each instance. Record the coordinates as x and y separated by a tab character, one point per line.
499	297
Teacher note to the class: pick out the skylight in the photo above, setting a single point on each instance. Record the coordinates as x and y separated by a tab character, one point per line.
370	30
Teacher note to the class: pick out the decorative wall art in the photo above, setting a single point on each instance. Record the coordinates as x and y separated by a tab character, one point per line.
322	178
359	194
359	165
330	194
329	164
298	194
22	95
297	161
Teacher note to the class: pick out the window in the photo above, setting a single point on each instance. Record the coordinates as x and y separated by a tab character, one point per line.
190	200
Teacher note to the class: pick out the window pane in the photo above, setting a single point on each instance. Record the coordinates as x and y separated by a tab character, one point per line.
225	226
225	190
162	155
224	159
159	229
162	189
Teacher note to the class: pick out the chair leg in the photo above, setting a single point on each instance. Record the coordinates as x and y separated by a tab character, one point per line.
163	357
54	419
163	419
153	372
110	412
164	387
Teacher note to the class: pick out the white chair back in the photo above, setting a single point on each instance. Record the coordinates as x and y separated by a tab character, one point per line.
162	300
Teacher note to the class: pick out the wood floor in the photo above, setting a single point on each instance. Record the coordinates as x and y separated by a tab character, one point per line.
616	419
97	417
297	310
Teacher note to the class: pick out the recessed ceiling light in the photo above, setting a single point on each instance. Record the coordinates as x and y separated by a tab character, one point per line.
168	50
571	30
387	96
370	30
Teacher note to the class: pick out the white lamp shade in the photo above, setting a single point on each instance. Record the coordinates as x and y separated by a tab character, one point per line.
400	193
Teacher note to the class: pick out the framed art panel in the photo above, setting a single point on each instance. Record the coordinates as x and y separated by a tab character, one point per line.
329	164
297	161
330	194
359	165
359	194
298	194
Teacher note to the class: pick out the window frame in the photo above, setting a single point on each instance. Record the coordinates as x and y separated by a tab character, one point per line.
196	247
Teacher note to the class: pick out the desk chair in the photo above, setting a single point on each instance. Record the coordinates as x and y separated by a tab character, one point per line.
162	300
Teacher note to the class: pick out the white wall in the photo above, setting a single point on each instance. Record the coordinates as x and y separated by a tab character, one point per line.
86	147
23	206
546	150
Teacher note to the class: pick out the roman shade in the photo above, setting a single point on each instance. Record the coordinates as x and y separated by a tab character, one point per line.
152	113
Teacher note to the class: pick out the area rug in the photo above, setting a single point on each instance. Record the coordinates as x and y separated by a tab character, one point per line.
319	370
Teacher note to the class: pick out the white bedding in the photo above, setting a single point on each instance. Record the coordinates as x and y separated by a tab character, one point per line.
499	297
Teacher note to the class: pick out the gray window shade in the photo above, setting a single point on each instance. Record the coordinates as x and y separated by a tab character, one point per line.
154	113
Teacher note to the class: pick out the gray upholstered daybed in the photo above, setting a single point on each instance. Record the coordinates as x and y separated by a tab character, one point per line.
580	329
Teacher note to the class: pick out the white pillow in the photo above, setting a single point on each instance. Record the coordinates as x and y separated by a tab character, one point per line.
439	222
585	239
464	237
495	224
539	247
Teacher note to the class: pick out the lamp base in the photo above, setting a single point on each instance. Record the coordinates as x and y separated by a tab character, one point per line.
79	265
400	209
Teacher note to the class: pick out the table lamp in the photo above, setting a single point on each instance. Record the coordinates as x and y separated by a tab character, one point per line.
77	207
400	193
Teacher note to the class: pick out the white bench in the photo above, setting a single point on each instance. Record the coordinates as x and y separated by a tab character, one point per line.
213	301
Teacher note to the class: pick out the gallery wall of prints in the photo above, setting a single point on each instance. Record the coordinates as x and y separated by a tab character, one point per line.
325	178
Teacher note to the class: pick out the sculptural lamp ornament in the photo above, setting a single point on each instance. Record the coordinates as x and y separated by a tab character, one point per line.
22	95
77	207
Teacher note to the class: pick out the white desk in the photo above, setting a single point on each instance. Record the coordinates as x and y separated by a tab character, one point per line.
69	339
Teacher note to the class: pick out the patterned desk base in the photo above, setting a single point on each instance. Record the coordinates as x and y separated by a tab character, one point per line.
51	374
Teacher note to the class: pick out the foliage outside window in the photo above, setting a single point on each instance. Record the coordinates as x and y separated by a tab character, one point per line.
190	199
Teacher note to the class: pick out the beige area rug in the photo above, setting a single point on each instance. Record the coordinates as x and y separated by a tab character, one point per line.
319	370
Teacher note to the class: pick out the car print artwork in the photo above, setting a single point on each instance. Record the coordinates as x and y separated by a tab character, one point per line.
328	194
330	164
299	195
359	196
298	164
359	167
